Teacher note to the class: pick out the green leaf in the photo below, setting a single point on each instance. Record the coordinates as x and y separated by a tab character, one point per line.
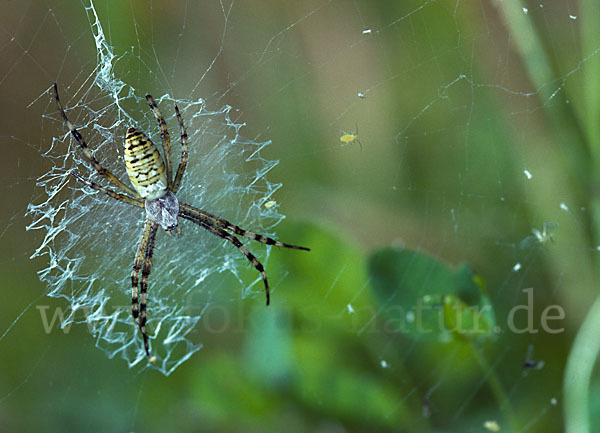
325	286
427	299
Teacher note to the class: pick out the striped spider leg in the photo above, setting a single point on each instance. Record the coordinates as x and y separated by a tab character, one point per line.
88	154
146	248
220	227
154	190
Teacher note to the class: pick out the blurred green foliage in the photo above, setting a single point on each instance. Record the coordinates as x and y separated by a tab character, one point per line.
425	299
461	98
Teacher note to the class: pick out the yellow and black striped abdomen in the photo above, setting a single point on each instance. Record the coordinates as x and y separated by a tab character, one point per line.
145	166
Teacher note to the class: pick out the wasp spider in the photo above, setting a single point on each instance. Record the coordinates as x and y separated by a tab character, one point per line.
154	189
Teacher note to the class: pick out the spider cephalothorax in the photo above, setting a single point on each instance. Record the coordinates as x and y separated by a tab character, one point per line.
155	190
163	210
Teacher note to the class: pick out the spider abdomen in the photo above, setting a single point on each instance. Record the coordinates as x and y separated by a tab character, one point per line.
145	166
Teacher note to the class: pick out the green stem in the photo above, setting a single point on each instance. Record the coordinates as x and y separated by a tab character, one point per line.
586	346
590	41
496	387
578	372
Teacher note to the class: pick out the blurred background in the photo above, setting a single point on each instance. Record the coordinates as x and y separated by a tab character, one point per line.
472	177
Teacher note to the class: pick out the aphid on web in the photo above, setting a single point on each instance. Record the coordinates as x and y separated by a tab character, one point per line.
348	138
530	363
154	189
539	237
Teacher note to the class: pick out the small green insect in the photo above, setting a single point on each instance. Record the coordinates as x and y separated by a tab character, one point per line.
348	138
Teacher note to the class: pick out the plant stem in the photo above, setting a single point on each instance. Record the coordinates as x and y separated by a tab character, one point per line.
496	387
578	372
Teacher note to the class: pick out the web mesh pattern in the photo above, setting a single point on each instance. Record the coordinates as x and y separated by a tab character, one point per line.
91	239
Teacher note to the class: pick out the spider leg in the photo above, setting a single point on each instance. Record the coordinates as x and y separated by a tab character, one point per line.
144	284
164	135
140	263
235	241
117	196
184	152
88	154
137	267
187	210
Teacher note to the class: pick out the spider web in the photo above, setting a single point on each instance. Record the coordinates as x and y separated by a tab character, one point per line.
473	148
89	238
